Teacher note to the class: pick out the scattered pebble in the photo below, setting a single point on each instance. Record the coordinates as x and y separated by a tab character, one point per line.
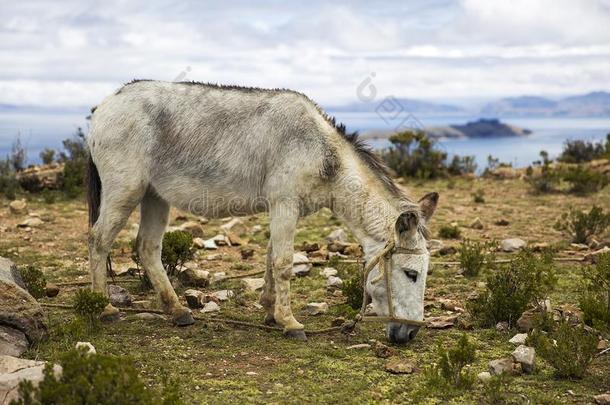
303	268
334	281
338	235
210	307
253	284
397	365
87	346
512	244
526	356
518	339
484	376
316	308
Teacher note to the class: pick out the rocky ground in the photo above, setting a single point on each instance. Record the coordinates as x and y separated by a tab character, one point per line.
216	363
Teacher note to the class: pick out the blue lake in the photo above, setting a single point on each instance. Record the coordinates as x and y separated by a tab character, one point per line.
47	129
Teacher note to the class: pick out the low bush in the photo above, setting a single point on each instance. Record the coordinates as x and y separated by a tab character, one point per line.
580	225
449	232
583	180
461	165
412	154
94	379
595	297
35	281
569	349
449	369
89	305
176	250
75	160
479	196
496	390
547	180
475	256
511	288
352	291
580	151
9	186
47	156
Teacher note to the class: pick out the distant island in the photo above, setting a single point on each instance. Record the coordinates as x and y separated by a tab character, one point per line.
482	128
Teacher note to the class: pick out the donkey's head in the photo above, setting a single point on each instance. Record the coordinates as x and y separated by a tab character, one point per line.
407	267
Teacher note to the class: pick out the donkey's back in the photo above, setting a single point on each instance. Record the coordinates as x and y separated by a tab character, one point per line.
191	142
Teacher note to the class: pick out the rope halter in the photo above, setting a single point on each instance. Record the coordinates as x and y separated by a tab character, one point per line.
384	257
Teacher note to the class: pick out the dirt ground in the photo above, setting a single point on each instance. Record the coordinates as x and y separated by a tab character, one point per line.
217	363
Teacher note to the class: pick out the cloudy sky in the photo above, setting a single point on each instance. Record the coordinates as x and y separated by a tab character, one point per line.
73	53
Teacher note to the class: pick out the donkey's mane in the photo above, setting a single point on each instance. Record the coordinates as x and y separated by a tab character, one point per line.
362	149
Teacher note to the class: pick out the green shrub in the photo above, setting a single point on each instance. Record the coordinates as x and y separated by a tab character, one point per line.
479	196
93	379
47	156
496	390
595	297
548	178
177	249
449	232
9	186
75	160
474	256
19	156
580	151
461	165
583	180
449	369
34	281
580	226
569	349
89	305
352	290
49	196
512	288
413	154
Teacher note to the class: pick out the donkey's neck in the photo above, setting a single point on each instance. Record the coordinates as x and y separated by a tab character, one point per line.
364	204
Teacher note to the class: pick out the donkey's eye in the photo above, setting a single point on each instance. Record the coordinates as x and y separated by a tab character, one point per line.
412	274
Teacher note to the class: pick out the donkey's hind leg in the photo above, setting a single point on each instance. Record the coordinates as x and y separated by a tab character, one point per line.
153	221
115	207
268	296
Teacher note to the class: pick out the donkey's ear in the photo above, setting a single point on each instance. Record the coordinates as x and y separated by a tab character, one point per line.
428	205
407	221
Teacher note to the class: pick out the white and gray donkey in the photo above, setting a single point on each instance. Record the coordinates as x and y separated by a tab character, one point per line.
220	151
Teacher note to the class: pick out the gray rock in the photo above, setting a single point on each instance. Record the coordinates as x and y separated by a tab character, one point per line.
253	284
397	365
334	282
148	316
518	339
13	342
223	295
525	323
236	225
199	243
501	366
602	399
192	227
14	370
118	296
51	290
210	307
512	244
477	223
193	298
338	235
18	309
316	308
484	376
526	356
328	271
31	223
18	207
303	268
86	346
194	277
218	276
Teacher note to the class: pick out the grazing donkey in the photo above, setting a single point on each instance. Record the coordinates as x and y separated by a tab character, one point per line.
223	150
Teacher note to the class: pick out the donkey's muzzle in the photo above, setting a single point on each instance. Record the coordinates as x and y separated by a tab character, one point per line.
401	333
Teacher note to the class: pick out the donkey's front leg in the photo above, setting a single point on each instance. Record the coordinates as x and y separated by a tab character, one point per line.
267	299
283	226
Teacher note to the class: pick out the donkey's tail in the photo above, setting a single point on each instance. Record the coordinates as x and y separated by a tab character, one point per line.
94	191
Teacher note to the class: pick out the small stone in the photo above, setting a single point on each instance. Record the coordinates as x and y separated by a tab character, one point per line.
14	370
382	351
602	344
208	244
51	290
502	222
484	376
86	346
236	226
118	296
441	322
602	399
334	282
328	271
223	295
502	326
246	252
18	207
579	246
396	365
236	240
512	244
359	346
501	366
193	298
253	284
257	228
540	246
199	243
526	356
148	316
194	277
142	304
309	247
221	240
218	276
477	223
447	250
303	267
210	307
518	339
338	235
192	227
31	223
13	342
525	323
316	308
338	321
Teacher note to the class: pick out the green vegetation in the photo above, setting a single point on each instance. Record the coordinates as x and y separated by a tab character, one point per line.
595	297
548	178
177	249
583	180
568	348
352	291
579	151
47	156
475	256
580	225
94	379
75	160
34	281
9	186
449	369
449	232
512	288
88	305
479	196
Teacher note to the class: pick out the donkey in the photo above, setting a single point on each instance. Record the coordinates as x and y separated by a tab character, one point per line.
221	151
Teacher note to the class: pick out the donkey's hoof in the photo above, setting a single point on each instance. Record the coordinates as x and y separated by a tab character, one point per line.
296	334
270	320
182	317
110	314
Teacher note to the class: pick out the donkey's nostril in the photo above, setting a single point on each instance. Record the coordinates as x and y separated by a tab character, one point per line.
413	333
